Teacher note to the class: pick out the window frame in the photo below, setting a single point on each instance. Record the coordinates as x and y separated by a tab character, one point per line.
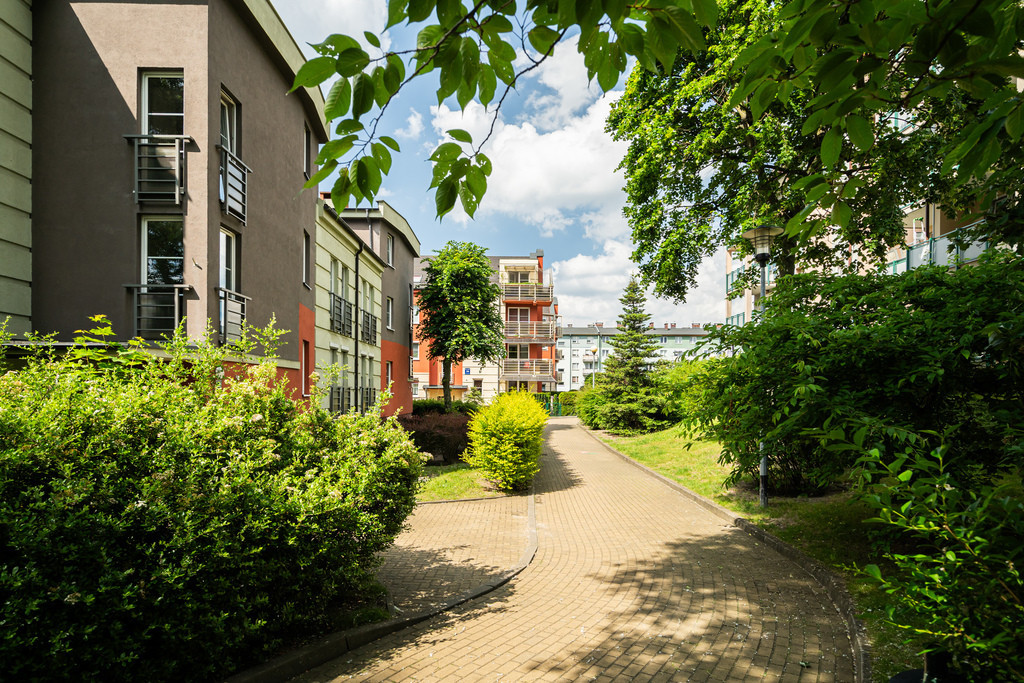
389	312
145	111
228	102
144	248
231	238
307	256
391	250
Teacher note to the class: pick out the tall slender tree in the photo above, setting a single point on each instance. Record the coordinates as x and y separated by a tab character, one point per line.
459	309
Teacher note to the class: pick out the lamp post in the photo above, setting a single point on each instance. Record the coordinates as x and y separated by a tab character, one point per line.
761	238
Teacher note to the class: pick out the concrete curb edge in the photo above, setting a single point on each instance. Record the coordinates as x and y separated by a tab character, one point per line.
833	585
335	645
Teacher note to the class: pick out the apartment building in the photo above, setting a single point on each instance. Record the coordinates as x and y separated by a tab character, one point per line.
388	234
348	305
929	240
165	169
583	350
529	310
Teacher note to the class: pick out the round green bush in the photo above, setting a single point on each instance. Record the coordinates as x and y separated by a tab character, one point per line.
506	438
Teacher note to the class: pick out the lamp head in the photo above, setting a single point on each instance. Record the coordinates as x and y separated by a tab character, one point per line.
761	238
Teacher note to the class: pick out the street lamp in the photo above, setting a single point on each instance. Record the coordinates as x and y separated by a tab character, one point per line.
761	238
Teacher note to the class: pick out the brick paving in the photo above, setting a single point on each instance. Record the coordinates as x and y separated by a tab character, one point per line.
631	581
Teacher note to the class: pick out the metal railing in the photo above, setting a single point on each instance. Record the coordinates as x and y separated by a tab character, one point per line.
157	309
936	251
529	330
160	167
232	314
368	330
342	314
731	277
234	184
525	368
739	319
526	292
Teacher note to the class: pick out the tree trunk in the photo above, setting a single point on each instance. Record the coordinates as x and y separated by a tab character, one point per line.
446	384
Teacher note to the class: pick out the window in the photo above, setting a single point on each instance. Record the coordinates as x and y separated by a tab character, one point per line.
416	389
415	315
415	350
307	152
478	384
163	251
307	255
517	276
389	311
163	103
228	124
334	276
228	261
304	368
516	314
344	283
367	297
518	351
391	251
387	374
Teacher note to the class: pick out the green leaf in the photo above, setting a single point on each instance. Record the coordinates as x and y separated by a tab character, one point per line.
339	99
502	68
487	84
859	130
420	10
460	135
335	149
688	32
351	62
390	142
831	146
340	191
314	72
383	157
841	214
444	198
706	11
873	571
396	12
542	38
446	152
334	44
429	36
348	126
468	199
371	38
324	171
477	181
1015	122
362	95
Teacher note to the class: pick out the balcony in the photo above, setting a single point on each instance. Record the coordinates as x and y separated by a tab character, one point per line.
936	251
528	368
738	320
342	316
532	330
526	292
157	309
234	184
160	167
232	314
368	330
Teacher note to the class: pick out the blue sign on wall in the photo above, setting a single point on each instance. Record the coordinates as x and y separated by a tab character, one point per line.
465	371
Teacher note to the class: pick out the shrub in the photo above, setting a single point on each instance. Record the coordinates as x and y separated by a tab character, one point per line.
588	407
679	384
444	436
428	406
157	525
962	588
506	438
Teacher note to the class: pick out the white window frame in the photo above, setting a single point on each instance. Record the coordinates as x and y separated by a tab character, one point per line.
388	374
145	113
389	311
144	244
307	257
307	151
231	240
391	250
227	103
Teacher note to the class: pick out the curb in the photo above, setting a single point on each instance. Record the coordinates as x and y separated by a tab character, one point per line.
833	585
335	645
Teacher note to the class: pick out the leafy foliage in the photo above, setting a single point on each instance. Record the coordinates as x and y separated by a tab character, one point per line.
157	523
458	312
444	435
506	438
701	170
428	406
927	350
963	583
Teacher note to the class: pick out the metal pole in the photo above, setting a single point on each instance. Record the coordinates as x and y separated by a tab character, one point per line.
763	489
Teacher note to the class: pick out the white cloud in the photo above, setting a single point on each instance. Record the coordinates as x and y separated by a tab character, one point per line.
413	126
566	92
311	22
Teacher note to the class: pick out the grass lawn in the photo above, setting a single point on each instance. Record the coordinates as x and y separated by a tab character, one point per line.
828	528
454	482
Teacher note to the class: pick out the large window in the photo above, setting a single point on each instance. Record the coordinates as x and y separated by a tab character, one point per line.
228	261
228	124
163	103
391	250
389	311
416	350
163	251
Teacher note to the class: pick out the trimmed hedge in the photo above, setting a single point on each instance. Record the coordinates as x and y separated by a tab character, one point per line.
506	438
434	406
155	525
444	436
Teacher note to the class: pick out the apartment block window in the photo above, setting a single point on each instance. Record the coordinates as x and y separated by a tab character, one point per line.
518	276
305	367
415	315
389	311
387	374
228	124
415	350
333	288
307	151
228	260
391	250
163	251
163	103
344	283
478	384
307	258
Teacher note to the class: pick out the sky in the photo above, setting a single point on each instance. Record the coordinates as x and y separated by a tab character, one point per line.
554	185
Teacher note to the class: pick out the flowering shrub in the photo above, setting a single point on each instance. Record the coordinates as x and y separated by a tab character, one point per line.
506	438
157	523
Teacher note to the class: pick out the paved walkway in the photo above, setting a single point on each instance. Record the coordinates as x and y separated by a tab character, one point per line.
631	581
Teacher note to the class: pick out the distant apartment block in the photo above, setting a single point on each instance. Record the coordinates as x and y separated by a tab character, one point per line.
529	309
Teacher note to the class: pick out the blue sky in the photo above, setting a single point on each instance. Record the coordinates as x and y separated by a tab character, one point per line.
554	187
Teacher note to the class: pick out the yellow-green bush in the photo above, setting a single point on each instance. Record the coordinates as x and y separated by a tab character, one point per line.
506	438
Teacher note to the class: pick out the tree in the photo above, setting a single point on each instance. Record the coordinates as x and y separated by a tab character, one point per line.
628	400
850	59
699	172
458	310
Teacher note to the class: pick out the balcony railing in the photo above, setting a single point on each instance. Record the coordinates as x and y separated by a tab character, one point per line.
737	319
731	277
158	309
232	314
529	330
342	315
526	292
368	330
160	167
234	184
529	368
936	251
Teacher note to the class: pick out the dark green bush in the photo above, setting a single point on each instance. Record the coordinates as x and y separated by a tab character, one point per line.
588	407
428	406
506	438
962	587
155	525
444	436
